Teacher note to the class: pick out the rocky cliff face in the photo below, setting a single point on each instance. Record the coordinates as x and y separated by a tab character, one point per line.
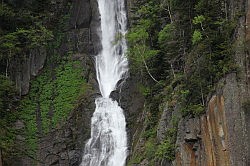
221	135
82	32
22	70
64	144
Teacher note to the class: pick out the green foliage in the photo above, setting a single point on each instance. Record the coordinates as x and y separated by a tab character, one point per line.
197	36
194	43
150	149
199	19
69	86
169	44
28	116
14	43
149	10
7	93
20	31
138	35
138	51
144	90
135	160
52	98
166	34
166	150
28	25
195	109
6	11
7	99
211	57
151	133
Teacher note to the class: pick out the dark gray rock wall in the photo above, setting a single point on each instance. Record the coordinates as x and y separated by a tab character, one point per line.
64	145
85	26
22	69
82	33
81	14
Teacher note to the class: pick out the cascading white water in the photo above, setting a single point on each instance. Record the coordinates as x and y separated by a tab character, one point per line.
108	143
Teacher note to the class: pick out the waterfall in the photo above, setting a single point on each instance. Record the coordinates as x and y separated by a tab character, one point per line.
108	143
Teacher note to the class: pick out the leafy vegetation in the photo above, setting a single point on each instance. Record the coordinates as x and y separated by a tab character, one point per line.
180	50
7	99
21	30
51	100
165	150
27	26
197	36
201	51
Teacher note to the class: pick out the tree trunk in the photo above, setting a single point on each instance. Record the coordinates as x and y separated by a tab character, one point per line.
6	69
172	68
145	64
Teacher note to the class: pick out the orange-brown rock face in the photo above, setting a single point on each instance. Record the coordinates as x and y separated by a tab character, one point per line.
218	138
214	134
188	143
221	137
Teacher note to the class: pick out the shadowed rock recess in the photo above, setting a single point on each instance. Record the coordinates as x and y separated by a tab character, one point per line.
195	113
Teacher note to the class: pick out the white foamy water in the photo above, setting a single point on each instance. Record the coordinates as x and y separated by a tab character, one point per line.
108	143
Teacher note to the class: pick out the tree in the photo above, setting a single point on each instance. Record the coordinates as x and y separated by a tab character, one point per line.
169	45
7	98
197	36
139	52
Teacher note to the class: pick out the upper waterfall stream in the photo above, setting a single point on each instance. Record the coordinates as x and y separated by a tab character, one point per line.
108	143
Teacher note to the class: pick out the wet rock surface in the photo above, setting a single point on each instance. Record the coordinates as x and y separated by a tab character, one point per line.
132	102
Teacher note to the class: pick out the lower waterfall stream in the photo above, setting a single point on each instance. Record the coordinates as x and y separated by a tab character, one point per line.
108	143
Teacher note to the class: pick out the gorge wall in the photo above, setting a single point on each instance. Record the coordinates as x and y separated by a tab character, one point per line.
220	136
58	135
41	140
158	130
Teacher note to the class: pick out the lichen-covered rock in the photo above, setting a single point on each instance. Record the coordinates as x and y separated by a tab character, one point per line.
163	124
166	121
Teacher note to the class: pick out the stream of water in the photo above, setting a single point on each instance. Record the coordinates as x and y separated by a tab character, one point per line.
108	143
